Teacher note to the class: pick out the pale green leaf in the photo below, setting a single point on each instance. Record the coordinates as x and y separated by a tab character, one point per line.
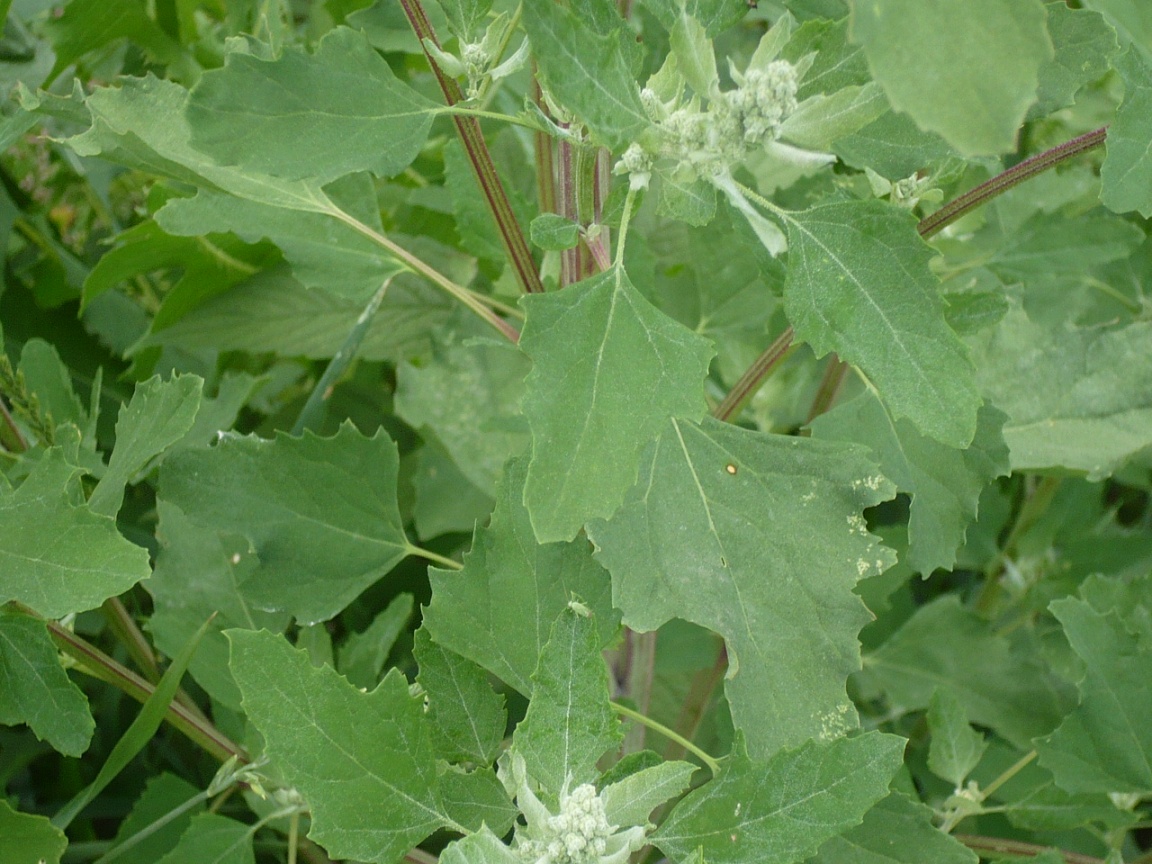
309	116
1076	398
465	15
630	801
859	284
362	655
446	500
320	514
893	146
29	839
955	748
587	72
999	684
897	830
696	60
87	25
1126	176
362	761
159	414
945	483
1105	744
483	847
761	539
716	15
608	370
569	724
499	609
468	715
35	689
780	811
86	561
966	71
820	121
213	839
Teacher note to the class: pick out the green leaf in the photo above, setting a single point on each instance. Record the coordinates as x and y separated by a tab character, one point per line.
86	25
465	15
1053	245
213	839
968	72
955	748
1126	176
46	375
1105	744
781	810
553	232
468	394
362	761
859	284
1132	18
137	735
893	146
320	514
1077	399
159	414
35	689
588	73
608	370
716	15
30	839
446	500
999	684
498	610
836	62
1085	45
325	252
362	655
86	561
468	716
631	800
273	312
945	483
200	572
822	120
897	830
569	724
716	510
284	116
164	794
142	124
476	799
208	266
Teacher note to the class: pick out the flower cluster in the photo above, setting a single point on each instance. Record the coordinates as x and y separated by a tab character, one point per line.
579	833
706	143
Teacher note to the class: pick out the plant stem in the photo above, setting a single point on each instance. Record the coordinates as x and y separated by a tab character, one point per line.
468	298
435	557
1012	770
313	411
834	374
696	702
625	711
998	846
754	376
18	438
479	156
1004	181
99	665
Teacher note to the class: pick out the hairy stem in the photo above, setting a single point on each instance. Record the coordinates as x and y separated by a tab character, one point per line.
480	158
997	846
96	663
754	376
1004	181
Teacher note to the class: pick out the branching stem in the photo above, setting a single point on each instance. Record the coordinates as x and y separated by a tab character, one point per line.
625	711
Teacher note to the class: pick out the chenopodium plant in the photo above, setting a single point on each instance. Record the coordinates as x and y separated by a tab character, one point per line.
567	395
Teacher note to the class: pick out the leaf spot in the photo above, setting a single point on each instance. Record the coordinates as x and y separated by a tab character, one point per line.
730	468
